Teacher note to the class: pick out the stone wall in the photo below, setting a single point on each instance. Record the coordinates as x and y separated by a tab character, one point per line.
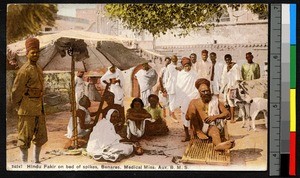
237	33
56	85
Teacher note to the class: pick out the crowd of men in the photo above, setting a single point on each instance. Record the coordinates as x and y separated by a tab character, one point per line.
193	86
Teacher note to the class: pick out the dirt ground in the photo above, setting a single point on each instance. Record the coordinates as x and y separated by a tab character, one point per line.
250	152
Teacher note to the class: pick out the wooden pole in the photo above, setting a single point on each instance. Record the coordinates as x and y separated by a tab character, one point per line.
73	104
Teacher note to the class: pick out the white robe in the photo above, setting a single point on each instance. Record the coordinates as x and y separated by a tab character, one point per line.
171	80
79	89
116	88
163	100
185	92
204	69
228	81
146	79
216	83
104	142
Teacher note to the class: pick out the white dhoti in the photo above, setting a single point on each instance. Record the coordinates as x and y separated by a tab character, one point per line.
144	96
172	100
133	130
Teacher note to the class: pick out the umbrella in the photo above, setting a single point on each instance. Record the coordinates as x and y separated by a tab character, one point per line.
102	50
90	51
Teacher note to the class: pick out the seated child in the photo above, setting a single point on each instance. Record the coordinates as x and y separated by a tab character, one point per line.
159	127
136	117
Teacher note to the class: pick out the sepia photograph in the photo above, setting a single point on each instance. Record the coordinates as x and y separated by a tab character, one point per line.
156	87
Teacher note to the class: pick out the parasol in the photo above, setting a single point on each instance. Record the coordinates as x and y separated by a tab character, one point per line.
72	50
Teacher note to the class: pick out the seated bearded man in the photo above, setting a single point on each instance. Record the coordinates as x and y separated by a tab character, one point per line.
208	116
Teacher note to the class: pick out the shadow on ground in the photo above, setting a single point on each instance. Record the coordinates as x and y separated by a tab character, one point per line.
241	156
236	137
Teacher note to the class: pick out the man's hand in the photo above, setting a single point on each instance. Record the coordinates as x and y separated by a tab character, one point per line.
210	119
179	68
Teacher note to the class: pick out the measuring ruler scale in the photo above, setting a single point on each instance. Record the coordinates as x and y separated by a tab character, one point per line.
274	89
282	93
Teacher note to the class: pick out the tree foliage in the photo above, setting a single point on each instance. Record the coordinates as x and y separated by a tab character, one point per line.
159	18
27	19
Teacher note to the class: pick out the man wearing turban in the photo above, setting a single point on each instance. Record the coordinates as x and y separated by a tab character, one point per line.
27	96
185	92
208	116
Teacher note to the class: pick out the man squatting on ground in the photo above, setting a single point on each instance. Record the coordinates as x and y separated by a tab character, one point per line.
207	115
27	95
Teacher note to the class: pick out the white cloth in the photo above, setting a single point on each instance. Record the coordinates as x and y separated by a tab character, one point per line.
146	79
81	132
216	83
144	96
195	66
204	69
162	74
228	81
104	142
172	102
213	109
116	88
171	78
92	92
79	89
133	130
185	92
162	99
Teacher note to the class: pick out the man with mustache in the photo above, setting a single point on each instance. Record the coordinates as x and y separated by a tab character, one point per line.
208	116
27	96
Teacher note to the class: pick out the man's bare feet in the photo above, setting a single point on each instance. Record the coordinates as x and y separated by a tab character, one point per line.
173	118
232	121
202	135
225	145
